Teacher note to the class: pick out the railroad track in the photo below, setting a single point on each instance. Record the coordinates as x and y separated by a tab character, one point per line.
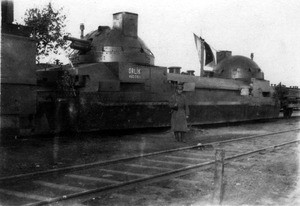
90	180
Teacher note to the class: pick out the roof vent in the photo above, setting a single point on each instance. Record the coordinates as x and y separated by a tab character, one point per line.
174	70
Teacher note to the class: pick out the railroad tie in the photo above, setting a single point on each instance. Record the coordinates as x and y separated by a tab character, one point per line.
187	158
98	179
124	173
59	186
199	154
148	167
168	162
25	195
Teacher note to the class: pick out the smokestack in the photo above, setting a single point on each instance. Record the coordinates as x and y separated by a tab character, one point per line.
7	11
252	56
126	22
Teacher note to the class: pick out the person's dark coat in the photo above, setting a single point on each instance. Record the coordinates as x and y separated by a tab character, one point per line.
180	110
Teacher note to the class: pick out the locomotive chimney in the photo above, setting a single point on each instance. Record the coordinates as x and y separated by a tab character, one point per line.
126	22
7	11
252	56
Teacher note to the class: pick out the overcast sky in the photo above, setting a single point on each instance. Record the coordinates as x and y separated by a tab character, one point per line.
269	29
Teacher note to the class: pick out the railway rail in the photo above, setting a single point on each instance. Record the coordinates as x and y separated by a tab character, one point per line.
90	180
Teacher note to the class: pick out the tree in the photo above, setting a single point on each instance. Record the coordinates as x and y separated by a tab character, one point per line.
48	26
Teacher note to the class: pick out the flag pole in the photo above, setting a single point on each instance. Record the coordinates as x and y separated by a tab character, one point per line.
202	58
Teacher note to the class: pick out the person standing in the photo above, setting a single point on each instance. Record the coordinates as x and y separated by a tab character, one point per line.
180	113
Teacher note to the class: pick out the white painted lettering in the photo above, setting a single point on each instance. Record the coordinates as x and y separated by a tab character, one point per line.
135	71
134	76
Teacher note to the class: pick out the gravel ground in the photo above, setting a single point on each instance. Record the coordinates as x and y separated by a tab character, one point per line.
269	179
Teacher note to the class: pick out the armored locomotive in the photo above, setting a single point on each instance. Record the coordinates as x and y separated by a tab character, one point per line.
115	85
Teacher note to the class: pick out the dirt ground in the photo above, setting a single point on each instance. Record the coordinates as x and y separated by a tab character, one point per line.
266	179
270	178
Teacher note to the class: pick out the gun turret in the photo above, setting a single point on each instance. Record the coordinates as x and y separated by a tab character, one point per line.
79	44
117	44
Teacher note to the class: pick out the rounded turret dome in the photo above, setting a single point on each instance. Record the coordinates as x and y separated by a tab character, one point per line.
117	44
238	67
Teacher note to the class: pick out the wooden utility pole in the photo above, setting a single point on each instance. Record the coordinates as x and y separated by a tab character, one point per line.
218	178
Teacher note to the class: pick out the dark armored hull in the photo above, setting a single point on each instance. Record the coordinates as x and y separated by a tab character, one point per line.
125	116
140	100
